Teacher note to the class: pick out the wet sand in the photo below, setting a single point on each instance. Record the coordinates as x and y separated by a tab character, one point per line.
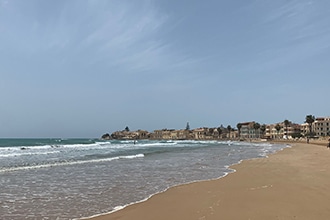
291	184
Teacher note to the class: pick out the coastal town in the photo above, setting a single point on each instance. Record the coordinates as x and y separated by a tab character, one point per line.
314	127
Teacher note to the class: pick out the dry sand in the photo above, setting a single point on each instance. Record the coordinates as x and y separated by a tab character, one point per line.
291	184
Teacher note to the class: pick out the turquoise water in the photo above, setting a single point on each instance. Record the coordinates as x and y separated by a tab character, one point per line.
75	178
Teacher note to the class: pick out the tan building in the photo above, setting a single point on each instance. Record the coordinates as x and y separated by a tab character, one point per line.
171	134
289	132
142	134
232	135
199	133
293	130
164	134
272	133
205	133
304	128
195	134
321	126
157	135
184	134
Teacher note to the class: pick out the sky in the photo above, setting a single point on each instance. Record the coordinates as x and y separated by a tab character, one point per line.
82	68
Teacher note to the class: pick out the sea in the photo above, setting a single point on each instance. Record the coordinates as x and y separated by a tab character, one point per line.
79	178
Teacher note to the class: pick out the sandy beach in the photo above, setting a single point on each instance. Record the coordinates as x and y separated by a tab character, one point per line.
291	184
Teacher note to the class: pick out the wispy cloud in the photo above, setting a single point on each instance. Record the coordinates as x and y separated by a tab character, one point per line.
122	26
120	35
126	36
295	31
289	10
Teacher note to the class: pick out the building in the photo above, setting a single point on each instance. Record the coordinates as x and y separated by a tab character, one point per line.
321	126
291	131
157	135
233	134
247	130
304	128
142	134
207	134
272	133
184	134
164	134
199	133
171	134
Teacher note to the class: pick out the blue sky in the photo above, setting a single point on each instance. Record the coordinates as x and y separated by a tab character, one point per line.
81	68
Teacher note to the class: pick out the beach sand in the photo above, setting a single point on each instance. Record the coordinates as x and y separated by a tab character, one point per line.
291	184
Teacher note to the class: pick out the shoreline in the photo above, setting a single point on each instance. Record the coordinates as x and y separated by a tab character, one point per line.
96	217
229	167
230	195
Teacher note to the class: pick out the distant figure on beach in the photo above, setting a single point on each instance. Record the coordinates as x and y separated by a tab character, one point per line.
328	144
307	140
